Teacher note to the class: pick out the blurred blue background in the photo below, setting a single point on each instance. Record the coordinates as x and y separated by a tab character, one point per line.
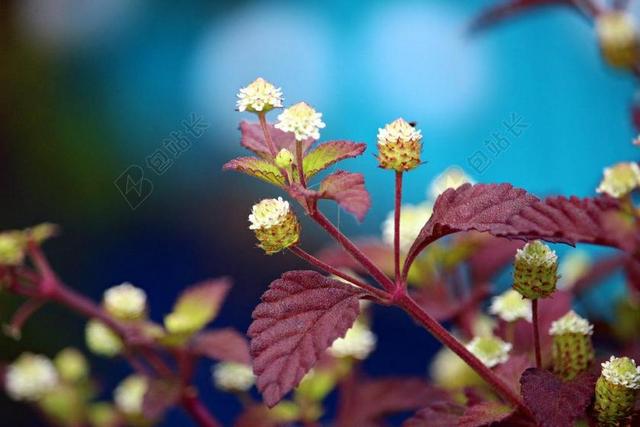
90	88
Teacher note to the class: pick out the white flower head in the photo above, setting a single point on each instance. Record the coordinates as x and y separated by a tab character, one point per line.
537	254
259	96
453	177
412	219
302	120
101	339
622	371
30	377
268	213
232	376
511	306
491	350
573	266
125	301
620	179
571	323
129	394
398	131
358	342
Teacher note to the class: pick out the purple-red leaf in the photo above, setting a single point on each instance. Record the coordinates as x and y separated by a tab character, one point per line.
328	153
556	403
160	396
439	413
253	139
492	255
300	316
259	168
511	371
484	414
226	345
348	190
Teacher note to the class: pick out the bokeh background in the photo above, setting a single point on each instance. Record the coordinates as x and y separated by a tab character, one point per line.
90	88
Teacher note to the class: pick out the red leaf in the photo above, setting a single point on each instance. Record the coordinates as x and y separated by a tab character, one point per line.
507	9
511	371
442	413
348	190
223	344
556	403
366	402
253	139
299	317
328	153
632	270
491	256
484	414
160	396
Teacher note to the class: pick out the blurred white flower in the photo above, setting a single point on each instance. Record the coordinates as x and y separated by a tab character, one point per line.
125	301
302	120
129	394
30	377
511	306
412	219
453	177
358	342
232	376
491	350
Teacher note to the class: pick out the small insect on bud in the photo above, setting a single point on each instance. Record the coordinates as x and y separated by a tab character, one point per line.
125	301
259	96
232	376
491	350
620	179
101	339
358	342
71	365
129	395
618	38
535	272
302	120
399	146
616	391
572	348
30	377
511	306
275	225
284	158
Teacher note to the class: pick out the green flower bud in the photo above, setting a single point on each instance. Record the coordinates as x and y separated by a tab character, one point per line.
129	395
616	391
12	247
63	405
275	225
399	146
284	158
71	365
101	339
535	271
618	37
572	349
125	302
103	414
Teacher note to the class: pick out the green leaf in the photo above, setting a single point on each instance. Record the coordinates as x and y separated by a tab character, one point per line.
259	168
324	155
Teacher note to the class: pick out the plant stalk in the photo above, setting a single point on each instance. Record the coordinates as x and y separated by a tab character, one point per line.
536	332
267	135
196	409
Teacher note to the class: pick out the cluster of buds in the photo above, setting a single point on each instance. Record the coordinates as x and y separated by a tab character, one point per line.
490	349
618	36
616	391
30	377
125	302
511	306
357	343
232	376
259	97
572	348
620	179
399	146
302	120
275	225
535	272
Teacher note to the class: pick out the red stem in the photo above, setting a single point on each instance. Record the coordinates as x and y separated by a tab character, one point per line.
196	409
22	314
536	332
300	164
267	135
396	227
442	335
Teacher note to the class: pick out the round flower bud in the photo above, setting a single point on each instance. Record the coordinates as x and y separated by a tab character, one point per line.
232	376
491	350
30	377
71	365
620	179
412	219
572	349
302	120
535	270
616	391
259	96
125	302
399	146
101	339
453	177
511	306
284	158
129	395
358	342
12	247
618	38
275	225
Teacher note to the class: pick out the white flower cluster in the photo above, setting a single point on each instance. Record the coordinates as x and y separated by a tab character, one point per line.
453	177
358	342
622	371
233	376
259	96
571	323
412	219
537	254
129	395
30	377
125	301
302	120
491	350
511	306
268	213
620	179
398	131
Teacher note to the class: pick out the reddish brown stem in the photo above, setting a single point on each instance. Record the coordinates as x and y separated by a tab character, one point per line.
267	135
396	227
196	409
300	164
22	314
442	335
536	332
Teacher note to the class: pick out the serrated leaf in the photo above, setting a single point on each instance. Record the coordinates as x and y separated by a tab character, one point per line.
484	414
227	345
197	306
328	153
259	168
253	139
300	316
553	402
160	396
347	189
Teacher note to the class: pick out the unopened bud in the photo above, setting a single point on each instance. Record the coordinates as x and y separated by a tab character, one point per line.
71	365
232	376
12	247
101	339
284	158
129	395
616	391
30	377
535	270
572	348
618	37
275	225
399	146
125	302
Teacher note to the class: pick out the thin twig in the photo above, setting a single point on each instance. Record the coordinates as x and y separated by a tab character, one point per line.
536	332
396	226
